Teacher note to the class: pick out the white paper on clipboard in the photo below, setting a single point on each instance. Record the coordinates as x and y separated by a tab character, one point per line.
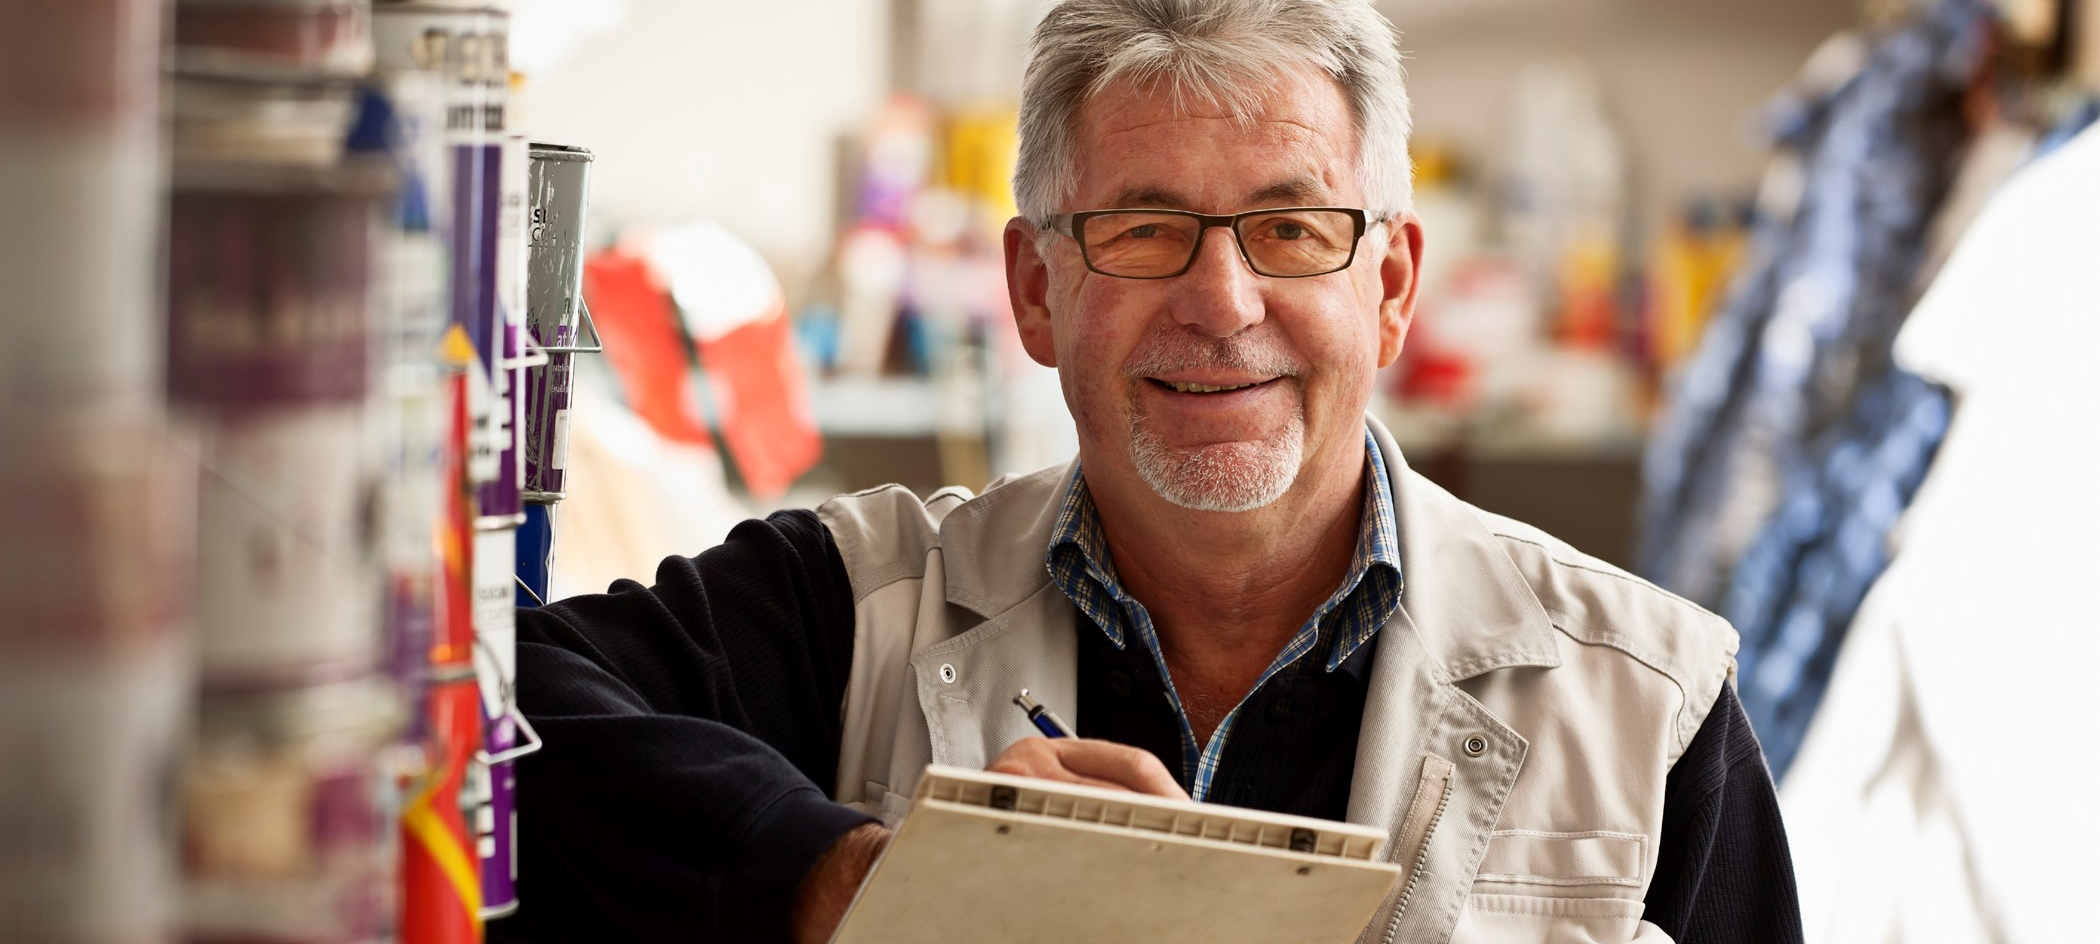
990	857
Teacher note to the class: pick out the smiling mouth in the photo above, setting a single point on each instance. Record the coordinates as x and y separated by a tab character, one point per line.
1207	388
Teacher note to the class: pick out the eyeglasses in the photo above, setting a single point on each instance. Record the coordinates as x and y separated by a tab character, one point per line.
1285	243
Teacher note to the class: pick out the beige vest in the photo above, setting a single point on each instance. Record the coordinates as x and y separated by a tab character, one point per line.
1525	707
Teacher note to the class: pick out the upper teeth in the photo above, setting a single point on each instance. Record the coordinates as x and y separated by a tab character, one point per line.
1205	388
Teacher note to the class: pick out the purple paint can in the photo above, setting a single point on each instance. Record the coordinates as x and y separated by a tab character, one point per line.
559	184
502	498
469	49
492	784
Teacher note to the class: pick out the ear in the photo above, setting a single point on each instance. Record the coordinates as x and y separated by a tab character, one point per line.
1027	285
1400	284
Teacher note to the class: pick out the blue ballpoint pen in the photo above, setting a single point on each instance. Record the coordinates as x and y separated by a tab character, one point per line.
1045	720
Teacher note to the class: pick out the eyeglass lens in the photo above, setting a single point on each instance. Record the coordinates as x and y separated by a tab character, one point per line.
1286	243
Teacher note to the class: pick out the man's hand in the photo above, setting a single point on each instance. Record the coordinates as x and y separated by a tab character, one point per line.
831	883
1091	762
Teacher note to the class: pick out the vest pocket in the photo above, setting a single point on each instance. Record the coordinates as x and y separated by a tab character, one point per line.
1536	857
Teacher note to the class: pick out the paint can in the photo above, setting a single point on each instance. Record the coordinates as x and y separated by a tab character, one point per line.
331	36
502	497
287	828
469	49
96	509
269	266
440	883
402	116
80	176
91	745
559	184
288	579
440	877
492	785
95	674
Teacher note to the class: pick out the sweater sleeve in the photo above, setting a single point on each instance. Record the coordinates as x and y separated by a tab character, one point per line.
691	734
1723	874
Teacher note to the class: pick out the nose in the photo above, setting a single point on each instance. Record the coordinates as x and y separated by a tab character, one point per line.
1219	295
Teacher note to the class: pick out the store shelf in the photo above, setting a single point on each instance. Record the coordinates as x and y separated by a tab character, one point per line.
875	407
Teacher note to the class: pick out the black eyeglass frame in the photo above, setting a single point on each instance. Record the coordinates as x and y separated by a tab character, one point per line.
1072	224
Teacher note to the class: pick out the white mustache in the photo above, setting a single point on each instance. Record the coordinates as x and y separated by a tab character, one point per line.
1176	349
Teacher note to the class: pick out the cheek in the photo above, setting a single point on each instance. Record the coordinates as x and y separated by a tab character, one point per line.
1091	353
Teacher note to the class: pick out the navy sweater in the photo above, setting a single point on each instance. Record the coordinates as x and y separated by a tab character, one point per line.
692	734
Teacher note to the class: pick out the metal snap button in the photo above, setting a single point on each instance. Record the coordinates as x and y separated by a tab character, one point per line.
948	673
1476	746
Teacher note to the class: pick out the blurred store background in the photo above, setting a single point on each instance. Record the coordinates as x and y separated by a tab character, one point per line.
336	327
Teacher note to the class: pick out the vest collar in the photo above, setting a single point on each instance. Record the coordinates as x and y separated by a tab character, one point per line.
1467	601
1463	596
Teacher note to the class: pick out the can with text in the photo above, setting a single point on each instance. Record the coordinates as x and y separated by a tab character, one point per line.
559	185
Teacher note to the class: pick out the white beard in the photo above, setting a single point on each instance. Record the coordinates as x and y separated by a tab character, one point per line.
1234	476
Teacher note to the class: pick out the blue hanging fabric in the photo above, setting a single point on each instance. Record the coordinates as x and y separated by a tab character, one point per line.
1801	580
1809	323
1797	587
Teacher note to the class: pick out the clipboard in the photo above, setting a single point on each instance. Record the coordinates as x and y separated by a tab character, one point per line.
990	857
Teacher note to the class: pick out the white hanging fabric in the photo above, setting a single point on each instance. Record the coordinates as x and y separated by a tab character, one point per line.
1941	794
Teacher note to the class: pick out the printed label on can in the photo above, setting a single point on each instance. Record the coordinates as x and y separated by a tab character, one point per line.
470	49
558	456
287	558
495	618
502	499
267	297
547	427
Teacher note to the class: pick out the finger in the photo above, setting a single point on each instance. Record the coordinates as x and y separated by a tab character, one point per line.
1130	767
1043	765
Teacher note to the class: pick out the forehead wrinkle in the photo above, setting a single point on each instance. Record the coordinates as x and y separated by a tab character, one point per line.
1301	189
1316	127
1149	195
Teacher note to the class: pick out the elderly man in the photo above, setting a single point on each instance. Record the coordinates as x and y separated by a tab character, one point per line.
1238	590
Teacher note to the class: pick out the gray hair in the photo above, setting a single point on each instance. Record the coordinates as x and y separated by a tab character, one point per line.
1223	52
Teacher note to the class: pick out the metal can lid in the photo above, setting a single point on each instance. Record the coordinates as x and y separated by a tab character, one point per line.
545	151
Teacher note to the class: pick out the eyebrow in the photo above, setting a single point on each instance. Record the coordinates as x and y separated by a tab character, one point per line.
1298	190
1150	196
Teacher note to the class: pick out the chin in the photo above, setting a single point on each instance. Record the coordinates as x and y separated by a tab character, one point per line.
1233	476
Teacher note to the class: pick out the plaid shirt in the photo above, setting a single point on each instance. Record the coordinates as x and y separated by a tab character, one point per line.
1079	562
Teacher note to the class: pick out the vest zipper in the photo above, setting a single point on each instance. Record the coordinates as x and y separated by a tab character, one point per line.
1414	872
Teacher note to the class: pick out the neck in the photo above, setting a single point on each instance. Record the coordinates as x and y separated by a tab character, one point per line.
1227	590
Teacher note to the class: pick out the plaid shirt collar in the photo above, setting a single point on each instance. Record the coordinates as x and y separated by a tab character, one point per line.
1079	562
1079	550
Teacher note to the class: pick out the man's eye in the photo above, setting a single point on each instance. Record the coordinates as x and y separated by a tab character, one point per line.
1289	230
1146	231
